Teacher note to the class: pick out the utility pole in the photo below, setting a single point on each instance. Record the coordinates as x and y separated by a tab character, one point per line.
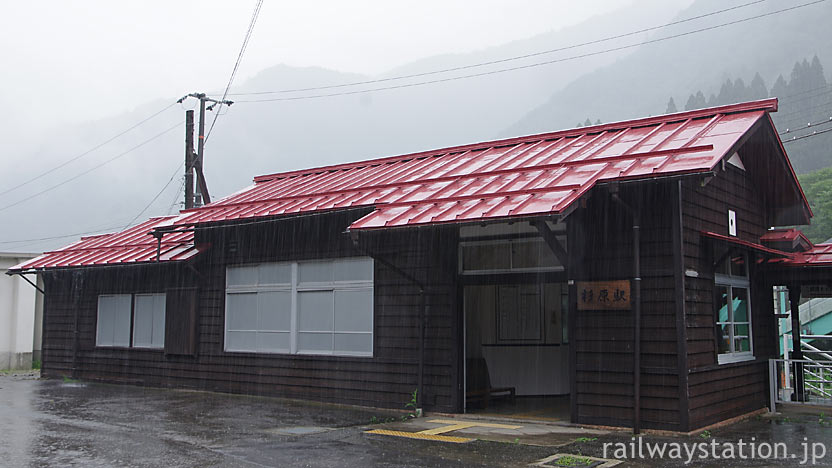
189	159
201	194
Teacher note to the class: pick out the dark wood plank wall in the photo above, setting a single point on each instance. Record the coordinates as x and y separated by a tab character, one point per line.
719	392
601	247
385	380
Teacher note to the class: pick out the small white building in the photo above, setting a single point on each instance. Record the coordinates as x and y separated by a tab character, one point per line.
21	316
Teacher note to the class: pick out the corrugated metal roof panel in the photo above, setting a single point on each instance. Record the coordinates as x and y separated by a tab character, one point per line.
525	176
133	245
555	169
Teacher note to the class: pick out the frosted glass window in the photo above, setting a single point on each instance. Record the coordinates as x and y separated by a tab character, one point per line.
149	321
354	342
275	310
275	273
315	311
315	307
241	311
353	269
113	324
354	310
314	342
315	272
274	342
242	276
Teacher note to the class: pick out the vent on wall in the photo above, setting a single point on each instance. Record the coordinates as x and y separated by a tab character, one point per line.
732	223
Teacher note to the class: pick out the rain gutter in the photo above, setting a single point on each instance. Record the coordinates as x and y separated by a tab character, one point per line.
422	313
636	312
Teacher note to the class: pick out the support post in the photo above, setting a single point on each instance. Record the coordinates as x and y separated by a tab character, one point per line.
189	159
797	352
200	149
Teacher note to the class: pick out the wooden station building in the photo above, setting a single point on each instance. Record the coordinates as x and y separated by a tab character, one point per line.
623	270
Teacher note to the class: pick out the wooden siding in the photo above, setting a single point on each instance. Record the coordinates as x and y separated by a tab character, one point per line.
719	392
385	380
601	248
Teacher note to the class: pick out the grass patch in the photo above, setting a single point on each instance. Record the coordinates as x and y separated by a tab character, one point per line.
572	460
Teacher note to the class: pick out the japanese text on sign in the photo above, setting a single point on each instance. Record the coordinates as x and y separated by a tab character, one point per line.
604	295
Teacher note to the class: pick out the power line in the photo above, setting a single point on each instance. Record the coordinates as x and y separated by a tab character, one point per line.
176	197
236	64
538	64
75	158
91	169
173	176
820	132
504	60
809	125
31	241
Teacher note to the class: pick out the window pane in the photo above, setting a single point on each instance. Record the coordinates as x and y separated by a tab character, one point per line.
741	331
106	321
241	311
354	310
532	254
315	272
315	311
742	345
723	338
314	342
353	269
275	310
242	276
159	305
486	257
354	342
740	304
241	341
271	342
143	321
721	303
275	273
114	320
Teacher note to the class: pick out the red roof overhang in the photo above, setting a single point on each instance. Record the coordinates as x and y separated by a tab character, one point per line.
734	241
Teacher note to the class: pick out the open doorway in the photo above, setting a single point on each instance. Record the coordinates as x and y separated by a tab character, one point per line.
517	350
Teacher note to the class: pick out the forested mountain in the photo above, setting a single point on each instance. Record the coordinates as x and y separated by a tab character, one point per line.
805	107
750	52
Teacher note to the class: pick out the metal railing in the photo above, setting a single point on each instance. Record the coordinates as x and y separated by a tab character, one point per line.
802	381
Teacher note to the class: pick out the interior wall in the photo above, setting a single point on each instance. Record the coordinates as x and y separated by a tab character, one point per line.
525	353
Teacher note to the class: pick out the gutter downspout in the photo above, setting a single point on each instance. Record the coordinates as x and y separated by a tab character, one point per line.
636	313
422	315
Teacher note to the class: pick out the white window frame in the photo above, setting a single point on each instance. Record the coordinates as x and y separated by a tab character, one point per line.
131	323
741	282
153	323
511	269
295	287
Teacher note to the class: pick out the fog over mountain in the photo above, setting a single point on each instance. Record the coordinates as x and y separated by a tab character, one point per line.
253	138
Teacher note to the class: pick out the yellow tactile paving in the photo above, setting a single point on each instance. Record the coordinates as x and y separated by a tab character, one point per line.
473	423
444	429
419	435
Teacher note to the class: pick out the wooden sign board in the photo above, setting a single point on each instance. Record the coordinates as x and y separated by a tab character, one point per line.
604	295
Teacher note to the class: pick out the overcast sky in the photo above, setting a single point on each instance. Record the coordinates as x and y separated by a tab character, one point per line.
81	60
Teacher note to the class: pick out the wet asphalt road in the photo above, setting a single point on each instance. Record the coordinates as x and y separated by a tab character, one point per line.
51	423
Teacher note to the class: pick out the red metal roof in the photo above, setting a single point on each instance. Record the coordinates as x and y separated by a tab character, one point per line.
133	245
787	239
818	255
518	177
533	175
749	245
